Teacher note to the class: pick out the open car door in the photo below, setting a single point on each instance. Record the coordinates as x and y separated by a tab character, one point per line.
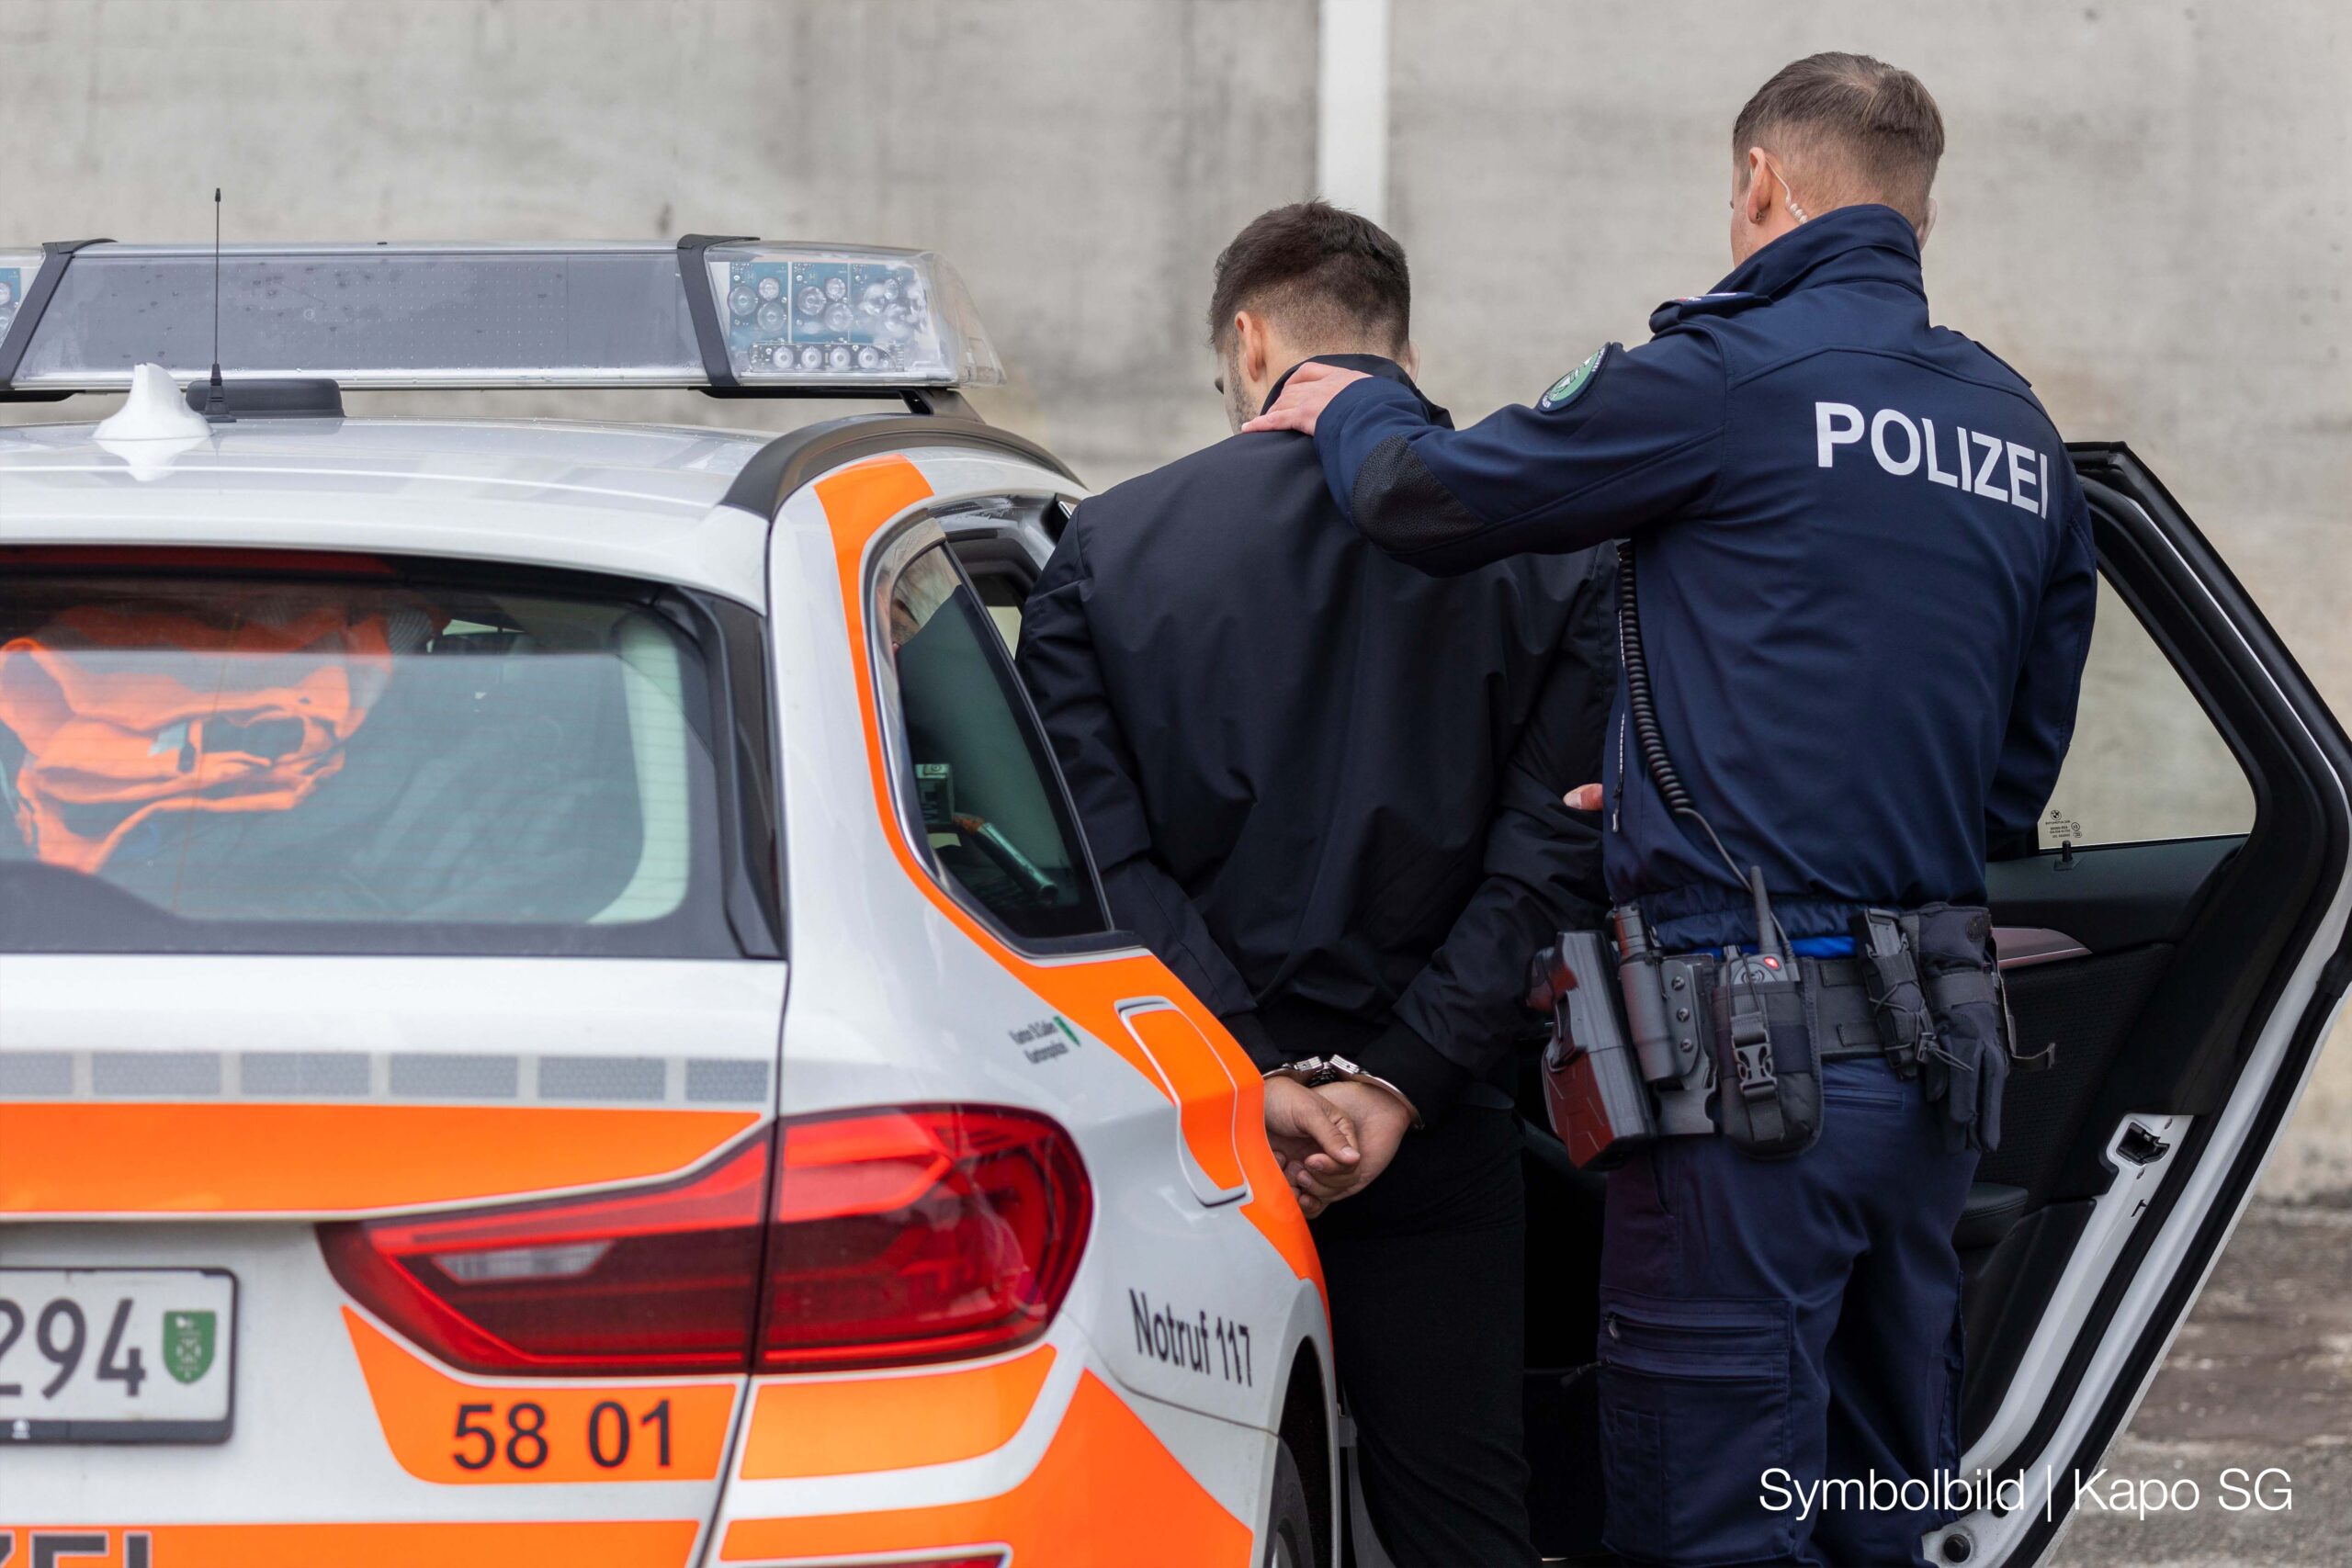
2176	936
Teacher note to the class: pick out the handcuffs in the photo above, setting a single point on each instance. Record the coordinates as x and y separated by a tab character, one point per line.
1316	1071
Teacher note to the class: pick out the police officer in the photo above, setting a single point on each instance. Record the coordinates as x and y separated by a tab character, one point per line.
1245	697
1864	573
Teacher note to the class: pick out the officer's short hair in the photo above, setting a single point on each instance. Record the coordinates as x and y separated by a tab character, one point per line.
1869	131
1331	276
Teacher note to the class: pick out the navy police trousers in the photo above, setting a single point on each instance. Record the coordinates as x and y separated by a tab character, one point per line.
1768	1324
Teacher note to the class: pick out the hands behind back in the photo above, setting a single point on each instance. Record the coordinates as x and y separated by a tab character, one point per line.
1380	1121
1301	1125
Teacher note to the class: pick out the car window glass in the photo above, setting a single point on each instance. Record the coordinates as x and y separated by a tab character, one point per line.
2146	763
221	761
1005	596
983	792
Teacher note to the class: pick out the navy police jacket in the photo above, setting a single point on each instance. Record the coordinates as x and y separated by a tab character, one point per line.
1322	785
1865	575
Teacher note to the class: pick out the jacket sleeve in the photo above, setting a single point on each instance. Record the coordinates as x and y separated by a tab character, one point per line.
1640	441
2050	682
1461	1014
1058	662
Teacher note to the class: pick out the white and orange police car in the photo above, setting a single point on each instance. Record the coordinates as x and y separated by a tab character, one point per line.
552	1007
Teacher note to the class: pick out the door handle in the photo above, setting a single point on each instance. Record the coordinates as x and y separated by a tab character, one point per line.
1195	1079
2020	947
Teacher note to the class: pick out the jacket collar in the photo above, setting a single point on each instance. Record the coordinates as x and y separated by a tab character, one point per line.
1849	244
1370	365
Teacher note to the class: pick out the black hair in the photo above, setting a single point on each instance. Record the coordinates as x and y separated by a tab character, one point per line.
1332	274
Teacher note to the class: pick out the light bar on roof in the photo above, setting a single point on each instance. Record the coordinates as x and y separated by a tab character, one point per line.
813	315
489	316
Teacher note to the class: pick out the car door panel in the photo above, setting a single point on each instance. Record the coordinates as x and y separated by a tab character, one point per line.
2078	1010
2110	899
2183	1029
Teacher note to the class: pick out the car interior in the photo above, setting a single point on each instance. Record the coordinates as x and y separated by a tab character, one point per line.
982	782
452	756
2188	845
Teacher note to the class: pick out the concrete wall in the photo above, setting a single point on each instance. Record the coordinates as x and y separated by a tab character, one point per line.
1081	164
2142	207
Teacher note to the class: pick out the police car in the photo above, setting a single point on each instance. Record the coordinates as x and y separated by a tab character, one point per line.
552	1006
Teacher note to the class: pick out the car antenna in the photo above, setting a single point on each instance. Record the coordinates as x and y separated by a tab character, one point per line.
216	397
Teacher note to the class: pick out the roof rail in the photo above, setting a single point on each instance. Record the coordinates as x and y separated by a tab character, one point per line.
792	460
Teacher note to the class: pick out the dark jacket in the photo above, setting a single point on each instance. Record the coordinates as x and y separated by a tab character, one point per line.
1865	574
1324	788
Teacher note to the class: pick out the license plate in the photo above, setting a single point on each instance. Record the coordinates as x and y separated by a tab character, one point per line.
117	1355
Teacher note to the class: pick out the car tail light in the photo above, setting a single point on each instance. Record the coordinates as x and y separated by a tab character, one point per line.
649	1281
888	1236
919	1235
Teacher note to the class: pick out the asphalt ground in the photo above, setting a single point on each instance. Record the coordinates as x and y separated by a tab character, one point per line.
2260	1379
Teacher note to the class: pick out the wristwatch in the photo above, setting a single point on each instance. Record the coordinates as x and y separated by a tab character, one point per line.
1316	1071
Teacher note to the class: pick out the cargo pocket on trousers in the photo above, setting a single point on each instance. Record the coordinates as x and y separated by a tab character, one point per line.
1694	1414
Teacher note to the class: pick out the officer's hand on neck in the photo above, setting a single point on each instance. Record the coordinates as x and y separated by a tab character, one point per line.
1305	396
1259	350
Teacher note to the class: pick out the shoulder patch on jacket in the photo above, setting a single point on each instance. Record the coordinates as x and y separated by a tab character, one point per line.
1570	386
1690	305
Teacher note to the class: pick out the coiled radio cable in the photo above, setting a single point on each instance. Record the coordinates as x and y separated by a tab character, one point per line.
1641	706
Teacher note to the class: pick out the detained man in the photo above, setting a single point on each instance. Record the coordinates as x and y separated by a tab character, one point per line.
1320	784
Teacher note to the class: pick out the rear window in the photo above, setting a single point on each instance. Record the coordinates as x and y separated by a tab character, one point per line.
246	761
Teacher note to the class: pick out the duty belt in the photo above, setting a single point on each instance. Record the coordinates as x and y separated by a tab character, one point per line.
1646	1044
1844	1025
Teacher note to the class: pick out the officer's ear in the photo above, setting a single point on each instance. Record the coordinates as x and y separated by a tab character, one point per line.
1757	190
